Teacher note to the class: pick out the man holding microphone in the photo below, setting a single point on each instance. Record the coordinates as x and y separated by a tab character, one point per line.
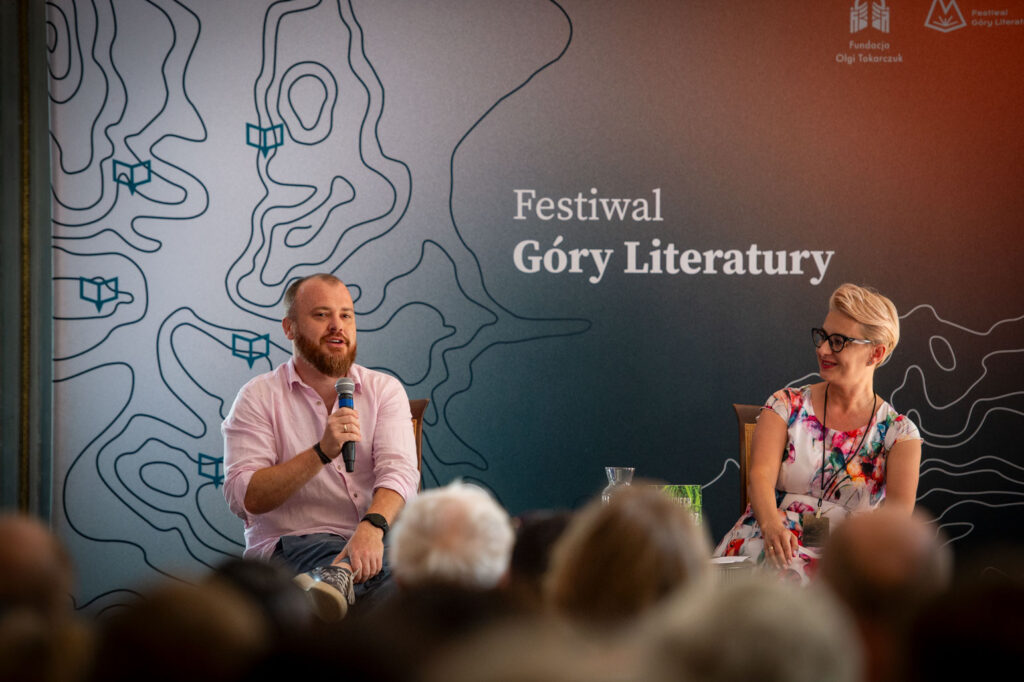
283	438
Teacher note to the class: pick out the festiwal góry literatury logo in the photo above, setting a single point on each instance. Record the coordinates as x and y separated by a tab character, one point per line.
945	16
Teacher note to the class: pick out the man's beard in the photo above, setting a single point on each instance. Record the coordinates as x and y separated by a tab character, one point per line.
329	364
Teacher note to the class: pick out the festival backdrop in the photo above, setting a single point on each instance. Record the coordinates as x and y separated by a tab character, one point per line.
581	228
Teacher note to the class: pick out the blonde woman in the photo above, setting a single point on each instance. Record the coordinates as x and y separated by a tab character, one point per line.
823	451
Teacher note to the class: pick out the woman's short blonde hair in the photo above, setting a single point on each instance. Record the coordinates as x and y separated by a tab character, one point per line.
874	312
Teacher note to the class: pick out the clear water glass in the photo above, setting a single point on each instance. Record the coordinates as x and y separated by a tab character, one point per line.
618	478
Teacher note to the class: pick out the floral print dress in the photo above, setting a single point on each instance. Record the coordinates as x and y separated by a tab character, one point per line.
854	482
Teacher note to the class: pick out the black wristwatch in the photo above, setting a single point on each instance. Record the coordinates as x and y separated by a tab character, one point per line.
320	453
377	520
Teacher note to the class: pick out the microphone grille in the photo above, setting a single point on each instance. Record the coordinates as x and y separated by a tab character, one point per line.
345	386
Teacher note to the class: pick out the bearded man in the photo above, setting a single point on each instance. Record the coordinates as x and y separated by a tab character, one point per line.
282	438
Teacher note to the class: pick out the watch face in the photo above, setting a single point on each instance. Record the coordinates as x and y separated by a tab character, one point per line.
378	521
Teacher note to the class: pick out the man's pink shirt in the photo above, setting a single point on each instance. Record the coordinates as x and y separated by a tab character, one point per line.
277	416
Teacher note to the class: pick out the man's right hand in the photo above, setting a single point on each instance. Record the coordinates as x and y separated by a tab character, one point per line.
342	426
269	488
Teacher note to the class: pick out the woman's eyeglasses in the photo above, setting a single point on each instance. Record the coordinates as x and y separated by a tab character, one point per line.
836	342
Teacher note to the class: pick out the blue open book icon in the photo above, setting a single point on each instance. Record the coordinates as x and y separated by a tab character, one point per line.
97	290
211	468
132	175
250	349
264	139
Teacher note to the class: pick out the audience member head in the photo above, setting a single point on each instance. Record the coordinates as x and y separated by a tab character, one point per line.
39	637
617	559
34	648
754	628
271	587
182	632
35	571
884	566
457	534
539	651
410	629
536	534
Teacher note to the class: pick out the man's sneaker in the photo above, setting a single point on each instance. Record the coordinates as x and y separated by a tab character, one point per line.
329	589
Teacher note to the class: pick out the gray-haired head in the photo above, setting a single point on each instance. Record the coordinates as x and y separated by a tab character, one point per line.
457	534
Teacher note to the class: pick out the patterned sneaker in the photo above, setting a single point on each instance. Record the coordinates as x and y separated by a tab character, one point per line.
329	589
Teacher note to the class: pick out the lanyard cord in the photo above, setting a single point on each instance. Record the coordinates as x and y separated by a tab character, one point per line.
833	479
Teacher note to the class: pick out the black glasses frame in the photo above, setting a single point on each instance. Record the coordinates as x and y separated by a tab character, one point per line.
837	342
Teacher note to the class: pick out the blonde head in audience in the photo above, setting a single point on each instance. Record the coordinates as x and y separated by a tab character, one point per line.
617	559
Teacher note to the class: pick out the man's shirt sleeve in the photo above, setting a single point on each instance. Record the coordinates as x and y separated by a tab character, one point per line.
249	445
394	446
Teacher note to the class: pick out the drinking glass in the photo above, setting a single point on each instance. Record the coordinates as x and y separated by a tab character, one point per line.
618	478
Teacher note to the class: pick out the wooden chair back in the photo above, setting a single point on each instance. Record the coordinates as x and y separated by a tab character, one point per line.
418	407
746	421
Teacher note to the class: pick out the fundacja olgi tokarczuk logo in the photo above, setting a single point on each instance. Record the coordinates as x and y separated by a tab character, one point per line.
859	16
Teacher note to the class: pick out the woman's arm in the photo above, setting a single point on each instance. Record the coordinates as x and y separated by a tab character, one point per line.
766	448
902	468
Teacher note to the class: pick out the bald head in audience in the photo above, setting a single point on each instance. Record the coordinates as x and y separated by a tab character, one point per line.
40	639
883	563
35	571
884	567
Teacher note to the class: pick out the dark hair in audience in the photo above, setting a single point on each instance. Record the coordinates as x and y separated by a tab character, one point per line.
270	586
393	642
208	632
536	535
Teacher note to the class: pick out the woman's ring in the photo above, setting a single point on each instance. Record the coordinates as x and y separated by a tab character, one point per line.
346	428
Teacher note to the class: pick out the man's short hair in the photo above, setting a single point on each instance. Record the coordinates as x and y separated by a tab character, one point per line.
457	534
293	289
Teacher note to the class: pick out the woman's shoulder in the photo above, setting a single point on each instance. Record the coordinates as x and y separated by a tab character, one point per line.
793	395
790	401
897	425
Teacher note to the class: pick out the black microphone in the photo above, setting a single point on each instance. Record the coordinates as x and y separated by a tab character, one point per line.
345	387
